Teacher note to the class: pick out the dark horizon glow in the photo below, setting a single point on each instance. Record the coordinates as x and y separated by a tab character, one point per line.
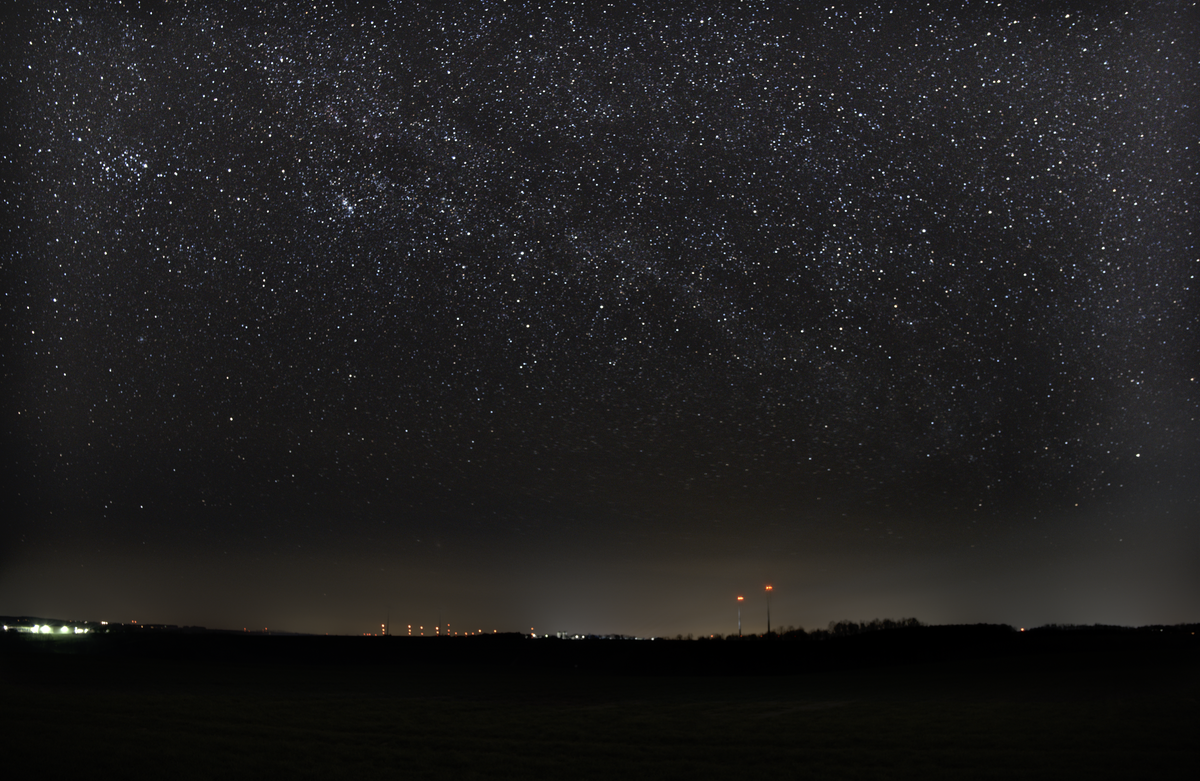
589	321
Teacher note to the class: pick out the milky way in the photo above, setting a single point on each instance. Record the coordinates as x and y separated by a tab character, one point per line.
533	276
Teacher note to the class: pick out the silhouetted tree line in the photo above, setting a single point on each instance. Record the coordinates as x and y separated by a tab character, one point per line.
836	629
1113	628
847	628
839	629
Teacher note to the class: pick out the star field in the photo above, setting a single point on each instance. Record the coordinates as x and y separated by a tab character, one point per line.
561	278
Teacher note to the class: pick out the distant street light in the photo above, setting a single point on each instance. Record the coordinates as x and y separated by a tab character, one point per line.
768	609
739	609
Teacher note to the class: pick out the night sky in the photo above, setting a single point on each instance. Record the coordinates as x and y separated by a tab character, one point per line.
591	319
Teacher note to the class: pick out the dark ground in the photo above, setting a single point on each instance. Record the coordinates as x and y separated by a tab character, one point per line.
988	706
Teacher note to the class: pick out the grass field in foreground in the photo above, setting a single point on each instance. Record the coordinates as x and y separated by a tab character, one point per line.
996	719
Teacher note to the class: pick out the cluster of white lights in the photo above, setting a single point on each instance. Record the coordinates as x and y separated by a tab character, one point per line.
46	629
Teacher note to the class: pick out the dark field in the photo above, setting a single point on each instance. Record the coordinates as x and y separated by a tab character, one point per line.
552	710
